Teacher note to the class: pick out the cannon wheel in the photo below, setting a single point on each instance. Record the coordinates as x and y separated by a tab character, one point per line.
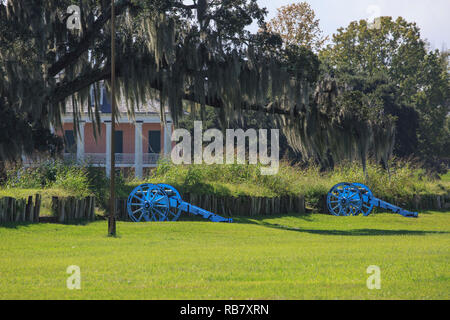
344	199
148	202
172	193
366	208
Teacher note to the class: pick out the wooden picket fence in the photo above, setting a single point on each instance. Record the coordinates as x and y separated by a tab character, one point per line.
260	206
431	202
228	206
417	203
63	209
70	209
20	210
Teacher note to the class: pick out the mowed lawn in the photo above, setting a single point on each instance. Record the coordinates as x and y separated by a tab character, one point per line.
291	257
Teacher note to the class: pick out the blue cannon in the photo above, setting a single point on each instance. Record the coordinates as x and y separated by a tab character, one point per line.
161	202
346	199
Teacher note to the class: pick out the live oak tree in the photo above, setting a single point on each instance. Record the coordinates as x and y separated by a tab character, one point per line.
198	53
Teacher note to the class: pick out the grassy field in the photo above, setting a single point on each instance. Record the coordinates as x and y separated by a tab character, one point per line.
290	257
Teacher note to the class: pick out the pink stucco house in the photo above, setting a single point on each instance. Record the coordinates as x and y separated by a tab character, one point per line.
138	143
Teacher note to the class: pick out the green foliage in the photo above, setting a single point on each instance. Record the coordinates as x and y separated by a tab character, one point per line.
231	179
73	179
99	185
33	177
446	177
400	184
209	116
201	52
51	174
418	80
432	101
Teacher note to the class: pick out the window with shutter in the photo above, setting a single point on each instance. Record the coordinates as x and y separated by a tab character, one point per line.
154	141
118	141
70	145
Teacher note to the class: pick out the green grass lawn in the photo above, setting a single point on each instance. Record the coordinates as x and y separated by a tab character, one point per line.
291	257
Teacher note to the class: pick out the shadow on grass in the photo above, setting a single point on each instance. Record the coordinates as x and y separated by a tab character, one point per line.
16	225
353	232
251	219
245	219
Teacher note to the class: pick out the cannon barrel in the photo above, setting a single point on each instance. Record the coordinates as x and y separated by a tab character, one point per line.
189	208
385	205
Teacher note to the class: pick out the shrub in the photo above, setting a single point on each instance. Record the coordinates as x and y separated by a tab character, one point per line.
73	179
51	174
33	177
400	184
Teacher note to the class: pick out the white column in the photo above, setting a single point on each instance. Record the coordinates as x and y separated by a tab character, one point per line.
80	142
108	147
168	138
138	149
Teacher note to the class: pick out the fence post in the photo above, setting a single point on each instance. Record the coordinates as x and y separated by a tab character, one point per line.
61	211
28	210
2	209
37	207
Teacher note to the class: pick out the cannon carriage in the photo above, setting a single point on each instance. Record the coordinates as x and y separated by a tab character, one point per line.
345	199
162	202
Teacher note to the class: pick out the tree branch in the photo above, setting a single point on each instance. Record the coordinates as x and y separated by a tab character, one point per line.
83	45
69	88
66	89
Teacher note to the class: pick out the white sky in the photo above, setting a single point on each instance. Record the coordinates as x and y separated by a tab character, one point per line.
432	16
